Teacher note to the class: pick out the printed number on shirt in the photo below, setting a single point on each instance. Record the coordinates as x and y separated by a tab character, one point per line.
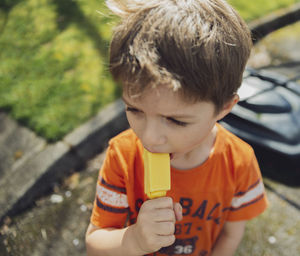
183	249
183	228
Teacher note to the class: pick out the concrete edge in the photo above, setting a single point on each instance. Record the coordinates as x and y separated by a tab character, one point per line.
59	159
263	26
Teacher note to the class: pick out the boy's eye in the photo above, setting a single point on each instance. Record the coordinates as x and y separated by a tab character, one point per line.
176	122
133	110
170	119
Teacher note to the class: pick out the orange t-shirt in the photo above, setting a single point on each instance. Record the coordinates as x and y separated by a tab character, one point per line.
226	187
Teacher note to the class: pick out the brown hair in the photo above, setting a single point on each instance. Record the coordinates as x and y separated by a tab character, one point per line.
199	47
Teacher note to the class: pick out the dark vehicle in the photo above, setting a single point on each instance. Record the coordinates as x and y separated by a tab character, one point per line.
268	118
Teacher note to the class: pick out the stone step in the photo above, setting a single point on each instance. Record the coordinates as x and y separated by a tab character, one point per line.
42	164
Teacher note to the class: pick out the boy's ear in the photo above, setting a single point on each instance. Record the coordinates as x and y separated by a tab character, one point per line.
228	106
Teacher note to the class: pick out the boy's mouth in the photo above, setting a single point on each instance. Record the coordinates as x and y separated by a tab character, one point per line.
170	154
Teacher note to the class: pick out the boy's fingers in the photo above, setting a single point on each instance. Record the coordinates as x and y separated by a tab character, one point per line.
159	203
165	228
166	240
178	211
164	215
164	202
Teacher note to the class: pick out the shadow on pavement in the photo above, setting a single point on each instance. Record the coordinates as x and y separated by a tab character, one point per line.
283	197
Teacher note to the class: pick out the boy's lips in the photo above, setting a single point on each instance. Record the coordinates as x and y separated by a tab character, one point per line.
170	154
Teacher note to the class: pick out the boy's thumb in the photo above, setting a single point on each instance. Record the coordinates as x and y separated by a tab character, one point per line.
178	211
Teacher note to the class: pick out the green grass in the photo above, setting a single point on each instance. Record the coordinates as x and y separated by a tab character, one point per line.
254	9
53	63
53	60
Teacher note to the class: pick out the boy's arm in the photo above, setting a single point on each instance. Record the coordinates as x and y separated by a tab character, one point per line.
229	239
154	229
110	241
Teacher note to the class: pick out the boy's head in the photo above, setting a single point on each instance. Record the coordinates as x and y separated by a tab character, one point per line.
198	47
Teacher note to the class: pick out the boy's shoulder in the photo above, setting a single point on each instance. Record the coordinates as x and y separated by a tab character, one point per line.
230	143
237	155
126	140
125	135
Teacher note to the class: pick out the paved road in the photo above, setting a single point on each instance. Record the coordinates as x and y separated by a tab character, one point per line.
51	228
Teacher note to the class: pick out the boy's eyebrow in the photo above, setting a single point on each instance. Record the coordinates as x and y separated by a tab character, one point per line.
172	115
126	101
181	116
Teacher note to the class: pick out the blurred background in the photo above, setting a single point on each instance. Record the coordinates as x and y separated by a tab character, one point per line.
54	63
54	77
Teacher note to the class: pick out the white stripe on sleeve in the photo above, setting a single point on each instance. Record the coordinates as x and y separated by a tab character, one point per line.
250	195
111	198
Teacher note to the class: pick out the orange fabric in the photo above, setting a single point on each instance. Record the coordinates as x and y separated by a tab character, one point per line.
226	187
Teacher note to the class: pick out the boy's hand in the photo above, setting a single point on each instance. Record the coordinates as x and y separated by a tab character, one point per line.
155	224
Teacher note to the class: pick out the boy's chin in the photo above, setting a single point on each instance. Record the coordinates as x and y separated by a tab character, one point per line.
175	156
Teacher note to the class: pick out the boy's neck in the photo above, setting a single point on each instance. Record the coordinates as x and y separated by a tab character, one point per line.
199	155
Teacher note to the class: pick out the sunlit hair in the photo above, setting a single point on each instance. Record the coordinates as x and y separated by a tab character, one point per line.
197	47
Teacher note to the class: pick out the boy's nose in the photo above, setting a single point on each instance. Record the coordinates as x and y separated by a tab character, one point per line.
153	137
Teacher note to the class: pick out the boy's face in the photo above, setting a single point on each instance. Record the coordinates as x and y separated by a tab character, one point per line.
166	124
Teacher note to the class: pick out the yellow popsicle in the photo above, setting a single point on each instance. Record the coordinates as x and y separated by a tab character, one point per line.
157	177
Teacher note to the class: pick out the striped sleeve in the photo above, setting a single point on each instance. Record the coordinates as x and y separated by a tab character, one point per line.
111	198
249	199
111	203
245	198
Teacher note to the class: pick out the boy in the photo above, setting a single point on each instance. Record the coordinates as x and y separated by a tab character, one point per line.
180	63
